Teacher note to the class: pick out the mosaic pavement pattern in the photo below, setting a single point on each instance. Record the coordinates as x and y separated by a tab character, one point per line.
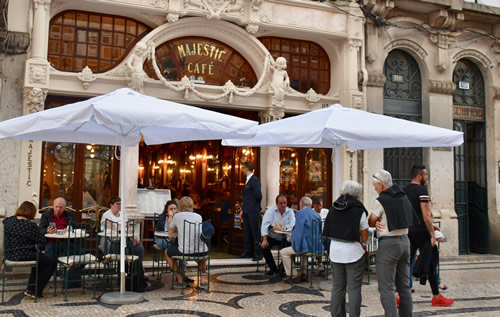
473	283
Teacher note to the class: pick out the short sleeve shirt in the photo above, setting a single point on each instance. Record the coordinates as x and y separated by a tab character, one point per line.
379	211
417	194
188	247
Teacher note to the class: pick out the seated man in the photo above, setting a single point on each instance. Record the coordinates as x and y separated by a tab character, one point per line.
188	242
113	214
302	239
276	218
58	218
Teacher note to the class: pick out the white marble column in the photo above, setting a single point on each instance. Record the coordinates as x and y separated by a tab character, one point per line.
40	28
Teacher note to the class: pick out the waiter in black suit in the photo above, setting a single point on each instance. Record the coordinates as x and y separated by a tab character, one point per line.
252	196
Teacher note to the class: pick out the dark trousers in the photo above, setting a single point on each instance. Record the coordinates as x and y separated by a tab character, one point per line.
418	238
251	234
46	267
269	256
57	249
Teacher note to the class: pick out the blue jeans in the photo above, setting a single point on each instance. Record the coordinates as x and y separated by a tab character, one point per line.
163	243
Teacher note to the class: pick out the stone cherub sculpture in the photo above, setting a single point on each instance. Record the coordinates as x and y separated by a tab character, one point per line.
280	83
135	65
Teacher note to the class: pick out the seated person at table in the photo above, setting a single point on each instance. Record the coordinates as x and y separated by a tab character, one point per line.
21	235
164	221
177	229
62	219
276	218
302	239
113	214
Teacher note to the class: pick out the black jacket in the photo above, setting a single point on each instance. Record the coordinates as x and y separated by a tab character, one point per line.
426	264
47	218
342	222
252	195
397	207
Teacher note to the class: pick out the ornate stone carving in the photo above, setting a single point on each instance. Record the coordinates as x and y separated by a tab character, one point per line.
172	17
119	71
312	97
355	44
272	114
442	87
38	74
483	59
215	8
161	4
444	40
419	50
375	80
358	102
497	93
280	83
380	8
86	77
135	65
44	3
156	19
252	28
34	99
444	19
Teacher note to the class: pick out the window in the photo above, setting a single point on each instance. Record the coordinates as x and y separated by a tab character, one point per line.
308	65
78	39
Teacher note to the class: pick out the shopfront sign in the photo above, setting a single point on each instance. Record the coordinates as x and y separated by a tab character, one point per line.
468	112
203	61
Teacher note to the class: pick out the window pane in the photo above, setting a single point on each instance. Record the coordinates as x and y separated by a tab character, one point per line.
68	48
107	23
92	50
104	64
55	32
106	38
118	53
119	25
129	40
68	34
131	27
69	19
67	63
82	20
276	45
95	22
119	39
314	63
106	52
141	29
93	37
54	61
58	172
79	64
285	45
304	48
81	49
54	47
82	36
93	64
295	47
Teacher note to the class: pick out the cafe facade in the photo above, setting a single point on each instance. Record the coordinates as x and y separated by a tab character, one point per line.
227	56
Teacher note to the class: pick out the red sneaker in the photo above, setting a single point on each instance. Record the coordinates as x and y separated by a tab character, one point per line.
442	301
397	300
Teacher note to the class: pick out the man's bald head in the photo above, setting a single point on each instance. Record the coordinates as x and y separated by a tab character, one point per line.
59	206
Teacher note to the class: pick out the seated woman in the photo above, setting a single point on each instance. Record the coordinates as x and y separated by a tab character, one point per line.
189	239
164	221
21	236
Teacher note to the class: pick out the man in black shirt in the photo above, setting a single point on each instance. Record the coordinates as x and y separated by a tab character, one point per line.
422	234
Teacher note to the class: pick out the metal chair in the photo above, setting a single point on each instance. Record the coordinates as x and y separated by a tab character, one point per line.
110	246
371	247
80	250
316	250
198	252
158	252
6	264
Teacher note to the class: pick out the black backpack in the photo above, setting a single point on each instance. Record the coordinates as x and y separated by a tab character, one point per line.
135	281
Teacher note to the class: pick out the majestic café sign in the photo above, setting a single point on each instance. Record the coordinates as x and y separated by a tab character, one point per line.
204	61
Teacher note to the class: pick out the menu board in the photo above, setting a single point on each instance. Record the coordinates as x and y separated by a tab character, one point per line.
152	201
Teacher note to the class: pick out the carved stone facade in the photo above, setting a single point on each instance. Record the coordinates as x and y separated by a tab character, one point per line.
34	99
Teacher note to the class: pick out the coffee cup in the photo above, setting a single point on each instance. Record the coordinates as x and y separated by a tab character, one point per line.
60	231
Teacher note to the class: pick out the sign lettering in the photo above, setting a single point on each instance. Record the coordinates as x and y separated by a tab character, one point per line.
468	112
30	163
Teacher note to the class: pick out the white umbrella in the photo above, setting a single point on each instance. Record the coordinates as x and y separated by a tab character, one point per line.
121	118
335	126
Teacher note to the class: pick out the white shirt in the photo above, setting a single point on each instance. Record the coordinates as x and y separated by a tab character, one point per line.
348	251
109	215
248	178
379	211
323	213
192	235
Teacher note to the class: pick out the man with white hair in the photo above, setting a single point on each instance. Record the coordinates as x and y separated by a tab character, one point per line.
392	215
302	239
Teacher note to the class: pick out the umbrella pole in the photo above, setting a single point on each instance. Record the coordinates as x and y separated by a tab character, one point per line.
337	172
122	297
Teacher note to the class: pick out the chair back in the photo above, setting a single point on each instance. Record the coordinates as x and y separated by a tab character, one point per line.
317	241
81	243
111	237
191	243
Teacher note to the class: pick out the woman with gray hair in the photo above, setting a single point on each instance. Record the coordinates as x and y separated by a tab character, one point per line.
347	227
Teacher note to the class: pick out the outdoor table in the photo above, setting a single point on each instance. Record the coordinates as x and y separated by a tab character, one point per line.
65	236
162	234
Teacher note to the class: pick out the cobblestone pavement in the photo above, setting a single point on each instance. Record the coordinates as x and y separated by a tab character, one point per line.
473	282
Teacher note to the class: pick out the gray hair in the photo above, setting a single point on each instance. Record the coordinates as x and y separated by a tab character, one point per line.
351	188
383	177
306	201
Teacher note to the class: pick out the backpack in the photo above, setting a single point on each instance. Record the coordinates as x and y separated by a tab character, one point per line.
207	231
135	281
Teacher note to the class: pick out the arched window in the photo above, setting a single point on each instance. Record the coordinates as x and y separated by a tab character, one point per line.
78	39
308	65
402	99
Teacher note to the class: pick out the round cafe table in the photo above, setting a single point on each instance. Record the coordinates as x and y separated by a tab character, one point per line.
65	235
